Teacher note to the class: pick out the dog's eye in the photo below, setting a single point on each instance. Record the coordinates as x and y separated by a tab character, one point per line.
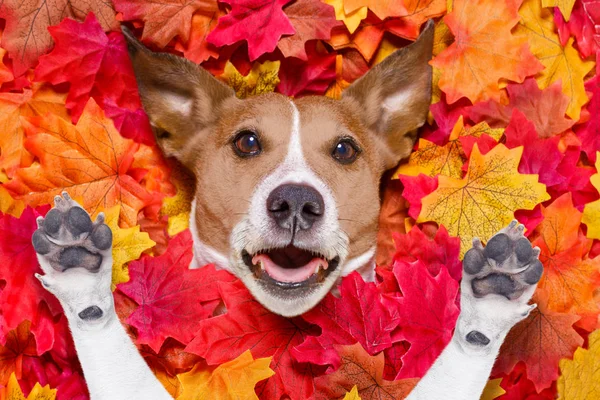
345	151
246	144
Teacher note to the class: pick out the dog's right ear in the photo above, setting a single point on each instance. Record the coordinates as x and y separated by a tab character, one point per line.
179	97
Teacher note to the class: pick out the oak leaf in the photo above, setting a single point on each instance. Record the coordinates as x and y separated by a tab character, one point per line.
431	159
484	51
36	101
231	380
540	341
197	48
39	392
26	35
365	372
580	377
484	201
312	19
164	19
262	78
591	212
261	23
544	108
169	295
560	63
91	161
247	325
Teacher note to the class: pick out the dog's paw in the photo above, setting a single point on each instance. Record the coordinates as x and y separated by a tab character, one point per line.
498	282
75	255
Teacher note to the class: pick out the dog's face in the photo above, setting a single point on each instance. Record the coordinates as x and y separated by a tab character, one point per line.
287	191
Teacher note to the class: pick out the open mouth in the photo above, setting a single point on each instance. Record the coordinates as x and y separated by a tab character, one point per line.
290	267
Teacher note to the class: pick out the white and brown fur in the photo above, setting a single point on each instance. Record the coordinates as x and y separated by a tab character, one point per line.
195	118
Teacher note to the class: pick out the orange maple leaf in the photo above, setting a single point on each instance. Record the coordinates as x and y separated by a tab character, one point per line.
364	371
32	102
5	72
484	51
197	48
570	277
92	162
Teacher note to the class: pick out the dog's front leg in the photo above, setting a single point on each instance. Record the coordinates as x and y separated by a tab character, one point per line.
498	282
75	255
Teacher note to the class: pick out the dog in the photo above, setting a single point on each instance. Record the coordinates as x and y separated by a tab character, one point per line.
287	200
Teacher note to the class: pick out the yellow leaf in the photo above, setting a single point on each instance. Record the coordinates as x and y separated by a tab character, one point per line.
565	6
431	159
8	205
178	207
386	47
352	19
262	78
442	37
580	377
560	63
591	212
233	380
353	394
128	245
13	391
492	390
484	201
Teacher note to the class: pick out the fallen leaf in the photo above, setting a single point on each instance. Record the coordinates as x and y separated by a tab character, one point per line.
540	341
580	377
484	51
164	19
365	372
26	35
560	63
20	345
591	213
170	295
589	131
335	90
95	65
197	48
580	25
431	159
427	312
383	9
90	160
307	77
544	108
565	6
490	193
261	23
351	20
247	325
311	19
6	74
9	205
39	392
32	102
231	380
262	78
492	390
353	394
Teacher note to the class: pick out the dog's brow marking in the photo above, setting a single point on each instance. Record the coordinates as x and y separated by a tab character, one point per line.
295	155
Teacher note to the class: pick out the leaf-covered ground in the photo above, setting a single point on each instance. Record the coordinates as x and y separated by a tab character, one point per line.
513	132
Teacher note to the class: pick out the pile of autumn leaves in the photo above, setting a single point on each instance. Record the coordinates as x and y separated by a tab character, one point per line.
513	132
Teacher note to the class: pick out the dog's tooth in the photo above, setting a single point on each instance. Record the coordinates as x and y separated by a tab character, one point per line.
318	269
262	266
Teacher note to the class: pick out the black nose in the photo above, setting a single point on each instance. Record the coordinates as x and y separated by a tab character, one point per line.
295	206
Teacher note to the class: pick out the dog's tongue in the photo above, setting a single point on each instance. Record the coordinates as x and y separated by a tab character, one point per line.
281	274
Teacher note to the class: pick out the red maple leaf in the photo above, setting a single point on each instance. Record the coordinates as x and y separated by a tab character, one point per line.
589	132
170	295
580	25
312	19
22	290
427	312
307	77
357	316
518	387
259	22
98	66
163	19
247	325
197	49
415	188
540	341
544	108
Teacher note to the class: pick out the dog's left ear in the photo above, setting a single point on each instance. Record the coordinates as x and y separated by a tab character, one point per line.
393	97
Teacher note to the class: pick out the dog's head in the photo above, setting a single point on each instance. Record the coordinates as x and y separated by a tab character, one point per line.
287	191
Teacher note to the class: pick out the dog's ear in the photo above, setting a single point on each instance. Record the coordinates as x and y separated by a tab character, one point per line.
179	97
393	97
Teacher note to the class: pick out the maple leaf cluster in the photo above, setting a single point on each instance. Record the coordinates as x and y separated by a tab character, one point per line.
513	132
